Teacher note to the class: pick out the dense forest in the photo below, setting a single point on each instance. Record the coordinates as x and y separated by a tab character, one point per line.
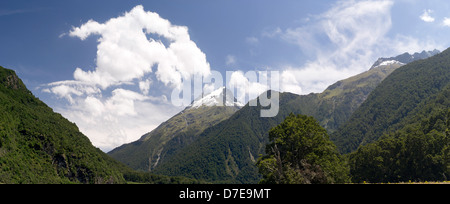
399	134
396	102
301	152
38	145
417	152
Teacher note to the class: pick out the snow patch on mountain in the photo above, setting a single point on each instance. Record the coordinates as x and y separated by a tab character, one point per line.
389	62
404	58
219	97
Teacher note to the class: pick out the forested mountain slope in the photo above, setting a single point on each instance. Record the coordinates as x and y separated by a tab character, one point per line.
419	151
396	102
227	152
40	146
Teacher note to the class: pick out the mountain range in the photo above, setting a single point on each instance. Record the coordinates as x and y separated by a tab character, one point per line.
398	103
405	58
227	151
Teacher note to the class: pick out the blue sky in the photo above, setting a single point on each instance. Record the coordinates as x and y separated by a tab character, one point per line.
312	44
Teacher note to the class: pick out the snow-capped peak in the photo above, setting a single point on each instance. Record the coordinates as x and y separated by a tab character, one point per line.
404	58
389	62
219	97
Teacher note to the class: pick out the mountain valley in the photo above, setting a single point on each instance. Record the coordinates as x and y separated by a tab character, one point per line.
216	139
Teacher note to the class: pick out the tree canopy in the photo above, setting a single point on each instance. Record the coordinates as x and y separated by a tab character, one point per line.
419	152
300	152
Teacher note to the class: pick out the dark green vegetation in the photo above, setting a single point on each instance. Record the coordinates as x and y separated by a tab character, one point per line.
338	102
418	152
40	146
399	100
401	132
139	177
300	152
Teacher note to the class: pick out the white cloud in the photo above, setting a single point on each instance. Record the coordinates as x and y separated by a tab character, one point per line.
122	102
119	119
144	86
65	91
426	16
247	85
343	41
94	106
446	22
311	78
136	52
290	83
125	52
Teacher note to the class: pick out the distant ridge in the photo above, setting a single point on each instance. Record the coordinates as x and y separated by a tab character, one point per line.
405	58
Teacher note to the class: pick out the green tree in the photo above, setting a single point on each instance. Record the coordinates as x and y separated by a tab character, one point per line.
300	152
418	152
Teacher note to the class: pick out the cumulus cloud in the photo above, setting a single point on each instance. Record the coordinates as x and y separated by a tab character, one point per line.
126	52
426	16
144	86
65	92
136	51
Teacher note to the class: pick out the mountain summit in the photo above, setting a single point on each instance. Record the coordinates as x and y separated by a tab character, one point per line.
219	97
159	145
405	58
